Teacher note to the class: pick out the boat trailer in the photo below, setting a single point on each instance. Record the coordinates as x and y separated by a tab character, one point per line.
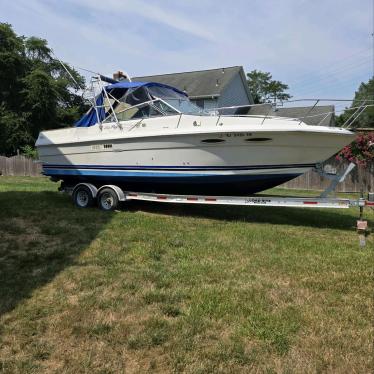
108	197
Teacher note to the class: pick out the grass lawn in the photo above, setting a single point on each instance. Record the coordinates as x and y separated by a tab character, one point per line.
178	288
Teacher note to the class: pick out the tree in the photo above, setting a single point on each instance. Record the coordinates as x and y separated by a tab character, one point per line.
264	89
36	92
13	131
364	94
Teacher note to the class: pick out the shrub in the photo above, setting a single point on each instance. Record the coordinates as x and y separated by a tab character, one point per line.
360	151
29	151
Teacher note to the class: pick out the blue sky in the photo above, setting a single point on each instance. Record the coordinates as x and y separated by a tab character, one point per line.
320	48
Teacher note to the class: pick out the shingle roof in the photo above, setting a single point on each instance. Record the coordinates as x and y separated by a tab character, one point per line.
313	116
199	84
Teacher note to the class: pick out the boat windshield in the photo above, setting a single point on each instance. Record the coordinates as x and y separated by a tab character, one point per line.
134	103
142	102
175	99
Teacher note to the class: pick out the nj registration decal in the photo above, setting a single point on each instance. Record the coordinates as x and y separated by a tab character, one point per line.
237	134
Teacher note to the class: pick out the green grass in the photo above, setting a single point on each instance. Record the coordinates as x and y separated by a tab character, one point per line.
180	288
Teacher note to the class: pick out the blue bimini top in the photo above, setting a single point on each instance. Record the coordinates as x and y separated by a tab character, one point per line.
97	114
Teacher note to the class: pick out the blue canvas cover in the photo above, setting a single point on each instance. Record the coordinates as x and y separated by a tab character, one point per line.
140	84
90	118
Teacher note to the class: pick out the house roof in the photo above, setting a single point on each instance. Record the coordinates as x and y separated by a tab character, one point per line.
319	115
202	83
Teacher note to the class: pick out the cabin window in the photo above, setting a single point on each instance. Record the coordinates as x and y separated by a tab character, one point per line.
200	103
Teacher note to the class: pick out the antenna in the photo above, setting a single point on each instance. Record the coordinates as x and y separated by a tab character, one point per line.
67	70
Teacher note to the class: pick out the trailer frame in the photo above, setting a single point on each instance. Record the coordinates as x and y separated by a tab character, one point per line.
108	196
115	195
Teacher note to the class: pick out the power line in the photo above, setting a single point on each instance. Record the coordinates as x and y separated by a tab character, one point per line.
324	86
335	68
328	74
327	67
327	77
329	87
350	74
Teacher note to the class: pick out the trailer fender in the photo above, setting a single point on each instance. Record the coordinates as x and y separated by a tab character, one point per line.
120	194
90	186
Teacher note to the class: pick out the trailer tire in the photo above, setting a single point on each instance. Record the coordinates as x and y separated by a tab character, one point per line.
107	199
82	197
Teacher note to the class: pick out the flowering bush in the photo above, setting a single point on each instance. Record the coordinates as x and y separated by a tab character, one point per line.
360	151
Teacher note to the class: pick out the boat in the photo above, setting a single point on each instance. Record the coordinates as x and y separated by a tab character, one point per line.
149	137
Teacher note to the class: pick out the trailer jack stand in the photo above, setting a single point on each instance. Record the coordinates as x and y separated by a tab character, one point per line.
362	227
335	178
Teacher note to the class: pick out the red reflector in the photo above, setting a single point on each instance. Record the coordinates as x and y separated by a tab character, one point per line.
161	197
310	202
369	203
210	199
192	198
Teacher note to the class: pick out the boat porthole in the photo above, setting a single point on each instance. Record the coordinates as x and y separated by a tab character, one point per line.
212	140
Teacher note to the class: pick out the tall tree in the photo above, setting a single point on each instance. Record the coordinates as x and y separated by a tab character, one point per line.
364	95
264	89
36	93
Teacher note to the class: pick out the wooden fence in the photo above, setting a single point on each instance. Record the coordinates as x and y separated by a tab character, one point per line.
359	177
20	166
23	166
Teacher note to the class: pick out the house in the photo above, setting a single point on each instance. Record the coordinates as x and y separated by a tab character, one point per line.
209	89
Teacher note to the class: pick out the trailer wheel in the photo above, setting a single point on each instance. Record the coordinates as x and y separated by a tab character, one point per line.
107	199
82	197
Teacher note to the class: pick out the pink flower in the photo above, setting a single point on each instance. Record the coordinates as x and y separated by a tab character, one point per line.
360	151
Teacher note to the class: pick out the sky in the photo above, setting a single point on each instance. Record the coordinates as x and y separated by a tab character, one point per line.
320	48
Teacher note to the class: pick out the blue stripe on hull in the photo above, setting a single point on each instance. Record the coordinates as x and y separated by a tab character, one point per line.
114	173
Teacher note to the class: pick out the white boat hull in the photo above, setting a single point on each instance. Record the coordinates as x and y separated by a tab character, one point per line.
189	154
